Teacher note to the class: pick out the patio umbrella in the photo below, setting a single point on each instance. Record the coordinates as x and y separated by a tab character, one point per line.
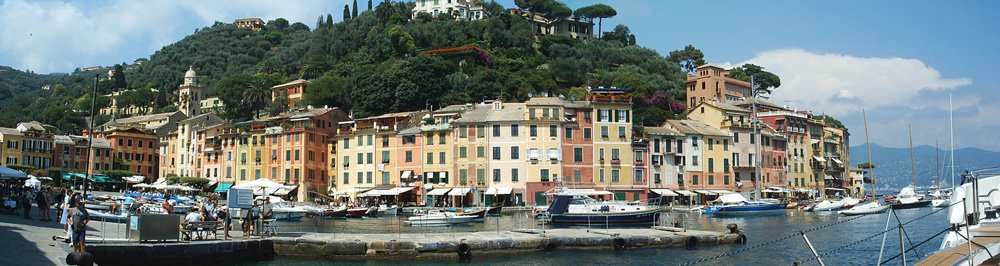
263	186
8	173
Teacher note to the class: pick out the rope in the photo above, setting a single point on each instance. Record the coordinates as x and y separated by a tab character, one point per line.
772	241
918	244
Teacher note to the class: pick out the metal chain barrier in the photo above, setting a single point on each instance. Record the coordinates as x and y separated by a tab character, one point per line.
824	227
917	245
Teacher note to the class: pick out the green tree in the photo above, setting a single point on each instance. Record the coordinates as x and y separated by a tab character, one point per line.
424	17
764	81
445	16
621	34
327	90
369	5
280	103
257	95
383	12
279	24
560	11
402	41
230	92
689	58
638	86
119	78
598	11
354	12
347	12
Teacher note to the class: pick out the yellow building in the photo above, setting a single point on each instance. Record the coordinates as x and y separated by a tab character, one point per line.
131	110
707	151
37	145
252	23
613	141
10	151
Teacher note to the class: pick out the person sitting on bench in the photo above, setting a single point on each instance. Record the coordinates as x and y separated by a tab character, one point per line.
193	216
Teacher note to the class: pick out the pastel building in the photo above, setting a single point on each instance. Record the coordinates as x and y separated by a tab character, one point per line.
578	145
438	153
705	169
461	9
10	151
135	150
506	162
710	83
36	144
543	121
293	89
665	160
472	157
613	142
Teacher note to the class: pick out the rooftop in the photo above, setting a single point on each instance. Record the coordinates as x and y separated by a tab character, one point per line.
695	127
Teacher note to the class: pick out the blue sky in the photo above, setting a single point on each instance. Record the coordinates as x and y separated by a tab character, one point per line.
898	60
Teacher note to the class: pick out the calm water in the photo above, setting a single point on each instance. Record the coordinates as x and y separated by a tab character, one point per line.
759	229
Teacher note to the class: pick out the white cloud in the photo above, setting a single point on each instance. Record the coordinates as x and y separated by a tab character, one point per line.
839	84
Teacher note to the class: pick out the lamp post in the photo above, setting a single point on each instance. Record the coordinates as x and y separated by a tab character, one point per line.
90	136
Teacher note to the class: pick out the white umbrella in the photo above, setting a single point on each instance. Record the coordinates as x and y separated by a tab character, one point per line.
134	179
33	182
263	186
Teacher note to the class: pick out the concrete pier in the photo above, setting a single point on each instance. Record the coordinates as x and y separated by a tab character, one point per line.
447	246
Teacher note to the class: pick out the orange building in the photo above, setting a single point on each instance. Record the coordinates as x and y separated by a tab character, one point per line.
294	89
711	83
135	150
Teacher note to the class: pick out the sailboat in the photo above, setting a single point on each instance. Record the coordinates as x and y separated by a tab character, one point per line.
907	197
873	206
943	200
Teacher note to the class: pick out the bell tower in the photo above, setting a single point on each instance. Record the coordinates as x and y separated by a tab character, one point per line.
189	94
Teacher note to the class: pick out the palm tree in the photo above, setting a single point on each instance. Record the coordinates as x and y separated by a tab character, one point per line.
257	96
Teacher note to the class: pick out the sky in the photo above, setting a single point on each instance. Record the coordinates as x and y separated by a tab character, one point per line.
898	61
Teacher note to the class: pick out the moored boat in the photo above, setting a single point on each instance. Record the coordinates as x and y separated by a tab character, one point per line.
736	204
439	218
866	208
828	205
356	212
908	199
579	209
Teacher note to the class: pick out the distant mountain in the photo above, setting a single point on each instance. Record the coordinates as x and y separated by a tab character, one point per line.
893	168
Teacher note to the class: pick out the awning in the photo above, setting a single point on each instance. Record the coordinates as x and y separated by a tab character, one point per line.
664	192
459	191
406	175
820	159
71	175
833	188
223	187
684	192
838	161
499	191
589	191
722	192
829	177
438	192
350	191
386	192
706	192
814	141
105	179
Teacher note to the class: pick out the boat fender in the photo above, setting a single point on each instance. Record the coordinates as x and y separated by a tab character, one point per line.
80	258
619	243
464	252
742	239
550	246
692	241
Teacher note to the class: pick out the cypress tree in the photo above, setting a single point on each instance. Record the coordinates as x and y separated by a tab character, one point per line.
347	12
354	13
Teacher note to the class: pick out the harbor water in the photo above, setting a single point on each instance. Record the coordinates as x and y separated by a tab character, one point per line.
843	234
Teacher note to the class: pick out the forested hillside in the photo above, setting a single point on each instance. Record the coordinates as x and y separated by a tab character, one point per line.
369	64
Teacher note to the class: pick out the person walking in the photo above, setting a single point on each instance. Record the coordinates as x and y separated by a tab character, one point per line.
26	203
60	199
78	218
42	199
68	203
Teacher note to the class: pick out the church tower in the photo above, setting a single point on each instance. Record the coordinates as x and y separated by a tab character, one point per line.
189	94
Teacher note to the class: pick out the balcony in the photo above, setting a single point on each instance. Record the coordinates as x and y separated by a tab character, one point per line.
640	162
616	161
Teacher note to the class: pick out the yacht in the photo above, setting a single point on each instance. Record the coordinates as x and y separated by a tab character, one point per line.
973	216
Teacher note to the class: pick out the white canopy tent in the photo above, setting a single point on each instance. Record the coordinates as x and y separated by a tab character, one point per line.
263	186
33	181
8	173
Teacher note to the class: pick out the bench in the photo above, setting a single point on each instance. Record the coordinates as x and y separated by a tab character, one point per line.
203	226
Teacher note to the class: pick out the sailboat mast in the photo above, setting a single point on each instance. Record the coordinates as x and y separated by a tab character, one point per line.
756	134
868	145
913	165
937	164
951	137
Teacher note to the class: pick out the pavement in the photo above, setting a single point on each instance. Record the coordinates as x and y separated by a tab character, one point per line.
29	242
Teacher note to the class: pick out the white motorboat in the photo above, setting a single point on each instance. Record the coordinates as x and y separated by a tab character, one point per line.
388	210
281	211
98	215
440	218
866	208
849	202
828	205
972	217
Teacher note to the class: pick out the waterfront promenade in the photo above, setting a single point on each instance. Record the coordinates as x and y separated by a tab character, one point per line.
29	242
